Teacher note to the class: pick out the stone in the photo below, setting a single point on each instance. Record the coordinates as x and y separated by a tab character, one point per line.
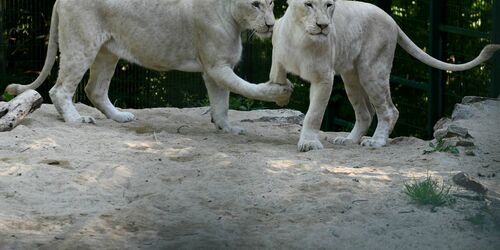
442	123
467	182
474	99
462	112
493	206
463	143
297	119
470	152
452	131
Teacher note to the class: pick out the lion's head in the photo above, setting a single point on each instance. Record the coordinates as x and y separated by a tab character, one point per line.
315	16
255	15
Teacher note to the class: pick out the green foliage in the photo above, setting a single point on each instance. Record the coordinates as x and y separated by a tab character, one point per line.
428	192
6	97
244	104
441	146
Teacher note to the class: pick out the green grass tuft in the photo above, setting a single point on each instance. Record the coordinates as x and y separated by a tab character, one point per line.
440	146
6	97
428	192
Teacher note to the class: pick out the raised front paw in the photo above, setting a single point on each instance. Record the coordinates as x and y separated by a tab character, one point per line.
305	145
282	101
277	92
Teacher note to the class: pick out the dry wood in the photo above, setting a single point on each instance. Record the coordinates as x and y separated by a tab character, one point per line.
13	112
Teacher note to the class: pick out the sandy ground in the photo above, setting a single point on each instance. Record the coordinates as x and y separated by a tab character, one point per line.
170	181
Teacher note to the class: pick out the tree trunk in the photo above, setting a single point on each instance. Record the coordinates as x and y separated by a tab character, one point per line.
13	112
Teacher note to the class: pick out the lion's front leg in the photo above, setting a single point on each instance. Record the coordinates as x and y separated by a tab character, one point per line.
271	92
319	96
278	76
219	104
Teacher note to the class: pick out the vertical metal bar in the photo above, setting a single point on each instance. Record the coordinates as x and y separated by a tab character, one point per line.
436	88
495	37
2	45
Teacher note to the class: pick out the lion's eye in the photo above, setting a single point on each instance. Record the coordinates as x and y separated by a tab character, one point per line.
328	5
256	4
308	5
271	3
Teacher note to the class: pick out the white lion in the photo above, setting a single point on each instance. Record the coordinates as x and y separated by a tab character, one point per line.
357	42
189	35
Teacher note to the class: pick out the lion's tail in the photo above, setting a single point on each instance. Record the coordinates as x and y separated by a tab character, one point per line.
16	89
405	42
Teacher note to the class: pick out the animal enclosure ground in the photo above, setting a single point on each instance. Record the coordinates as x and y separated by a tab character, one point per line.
169	180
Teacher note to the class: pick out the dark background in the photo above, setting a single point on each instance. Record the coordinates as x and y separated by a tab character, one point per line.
452	30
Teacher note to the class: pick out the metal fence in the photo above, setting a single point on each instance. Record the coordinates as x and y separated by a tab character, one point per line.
451	30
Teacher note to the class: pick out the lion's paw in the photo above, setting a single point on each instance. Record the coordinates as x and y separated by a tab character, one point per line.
308	145
374	143
279	93
87	119
233	130
342	141
123	117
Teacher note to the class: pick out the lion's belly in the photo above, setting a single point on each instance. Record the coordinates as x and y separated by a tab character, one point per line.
160	58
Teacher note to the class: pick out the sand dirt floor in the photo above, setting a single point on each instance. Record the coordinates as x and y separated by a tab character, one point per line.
170	181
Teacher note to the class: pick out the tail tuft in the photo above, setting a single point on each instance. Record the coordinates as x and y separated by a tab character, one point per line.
16	89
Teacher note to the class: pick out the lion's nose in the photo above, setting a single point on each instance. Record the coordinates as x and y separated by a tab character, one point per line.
322	26
270	26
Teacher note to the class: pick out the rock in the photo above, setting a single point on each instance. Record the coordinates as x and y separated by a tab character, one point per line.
493	206
469	152
297	119
463	143
440	134
442	123
452	131
467	182
462	112
474	99
458	142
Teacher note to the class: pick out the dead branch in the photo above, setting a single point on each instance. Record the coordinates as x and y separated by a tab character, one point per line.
13	112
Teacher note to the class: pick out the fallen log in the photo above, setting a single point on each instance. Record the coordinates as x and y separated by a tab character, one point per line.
14	111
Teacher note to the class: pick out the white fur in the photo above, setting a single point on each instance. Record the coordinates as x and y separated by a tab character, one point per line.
359	45
188	35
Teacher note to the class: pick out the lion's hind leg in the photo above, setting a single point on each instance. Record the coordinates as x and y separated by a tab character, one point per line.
376	85
73	65
363	109
101	72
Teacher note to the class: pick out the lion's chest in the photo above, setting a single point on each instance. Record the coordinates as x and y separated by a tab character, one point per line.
310	64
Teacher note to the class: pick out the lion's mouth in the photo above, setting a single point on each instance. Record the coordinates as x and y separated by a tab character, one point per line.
262	33
319	34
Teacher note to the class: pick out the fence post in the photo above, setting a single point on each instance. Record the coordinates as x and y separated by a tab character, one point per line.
2	46
495	38
436	41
